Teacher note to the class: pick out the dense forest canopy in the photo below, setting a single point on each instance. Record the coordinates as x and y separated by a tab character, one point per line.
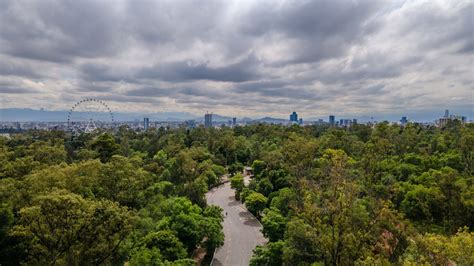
357	195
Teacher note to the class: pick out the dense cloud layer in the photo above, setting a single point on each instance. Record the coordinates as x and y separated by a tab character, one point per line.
351	58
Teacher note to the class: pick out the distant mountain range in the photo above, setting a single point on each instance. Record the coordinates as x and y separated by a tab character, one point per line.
271	120
32	115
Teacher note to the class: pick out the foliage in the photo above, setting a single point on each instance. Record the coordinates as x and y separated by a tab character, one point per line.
325	195
105	146
269	255
255	203
274	224
443	250
65	228
237	183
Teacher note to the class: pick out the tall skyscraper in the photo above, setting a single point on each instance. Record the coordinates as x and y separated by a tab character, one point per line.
146	123
234	121
332	120
294	117
443	121
404	120
208	120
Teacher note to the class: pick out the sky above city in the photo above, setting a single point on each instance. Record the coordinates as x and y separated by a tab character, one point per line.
240	58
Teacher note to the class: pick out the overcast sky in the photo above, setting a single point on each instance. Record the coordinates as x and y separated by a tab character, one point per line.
245	58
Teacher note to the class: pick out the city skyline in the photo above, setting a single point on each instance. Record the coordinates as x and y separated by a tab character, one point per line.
31	115
350	59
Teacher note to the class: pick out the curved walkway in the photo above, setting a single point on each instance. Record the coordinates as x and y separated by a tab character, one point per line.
241	228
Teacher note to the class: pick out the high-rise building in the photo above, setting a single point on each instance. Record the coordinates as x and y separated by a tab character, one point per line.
354	121
146	123
300	121
234	121
208	120
443	121
345	122
332	120
294	117
404	120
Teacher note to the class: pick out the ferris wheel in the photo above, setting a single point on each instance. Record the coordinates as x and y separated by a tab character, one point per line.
88	115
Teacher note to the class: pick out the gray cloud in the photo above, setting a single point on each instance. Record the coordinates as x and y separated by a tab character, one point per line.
15	90
239	57
316	30
244	70
437	28
150	92
102	72
59	31
12	68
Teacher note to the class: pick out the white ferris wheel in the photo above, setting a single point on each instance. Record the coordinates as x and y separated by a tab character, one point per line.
89	114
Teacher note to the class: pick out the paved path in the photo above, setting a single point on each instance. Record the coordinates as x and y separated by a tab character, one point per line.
241	228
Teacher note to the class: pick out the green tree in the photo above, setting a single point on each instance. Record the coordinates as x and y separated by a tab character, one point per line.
274	224
422	203
258	167
10	251
335	225
264	186
123	180
268	255
237	183
436	249
255	203
191	224
106	147
167	243
48	153
64	228
235	168
283	200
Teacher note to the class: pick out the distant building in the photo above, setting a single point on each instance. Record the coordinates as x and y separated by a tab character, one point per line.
190	124
404	120
443	121
248	171
146	123
234	121
208	120
345	122
294	117
354	121
332	120
300	121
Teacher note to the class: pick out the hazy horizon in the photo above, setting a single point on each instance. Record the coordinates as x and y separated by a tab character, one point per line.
35	115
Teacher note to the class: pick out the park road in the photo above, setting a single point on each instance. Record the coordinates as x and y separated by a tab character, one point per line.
241	228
